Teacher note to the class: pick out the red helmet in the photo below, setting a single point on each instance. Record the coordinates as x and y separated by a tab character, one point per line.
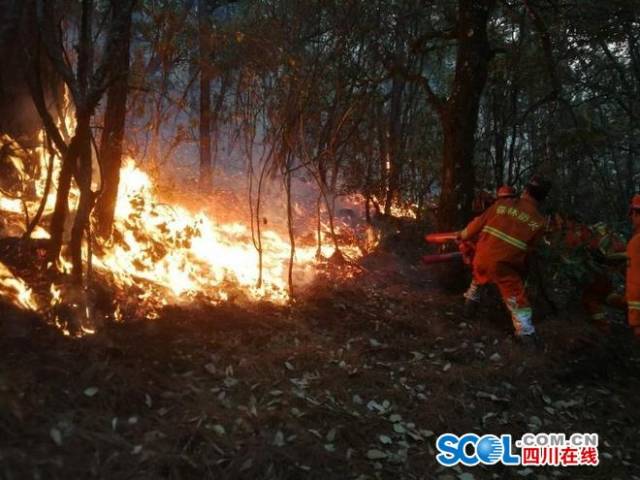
635	202
506	191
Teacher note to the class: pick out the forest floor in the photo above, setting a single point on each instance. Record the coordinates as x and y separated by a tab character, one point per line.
355	380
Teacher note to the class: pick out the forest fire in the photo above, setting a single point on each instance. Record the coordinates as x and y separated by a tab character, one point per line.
162	253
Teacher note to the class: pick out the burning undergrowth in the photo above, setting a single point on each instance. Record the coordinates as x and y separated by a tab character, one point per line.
163	252
170	246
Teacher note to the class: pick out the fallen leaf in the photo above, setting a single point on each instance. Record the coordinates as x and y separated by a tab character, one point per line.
567	403
417	356
525	472
56	436
399	428
374	454
230	382
373	405
219	429
91	391
395	418
385	440
278	440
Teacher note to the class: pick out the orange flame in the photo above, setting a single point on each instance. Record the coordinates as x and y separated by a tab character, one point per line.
174	254
167	252
15	290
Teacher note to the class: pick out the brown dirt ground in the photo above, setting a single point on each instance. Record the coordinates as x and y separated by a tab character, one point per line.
382	363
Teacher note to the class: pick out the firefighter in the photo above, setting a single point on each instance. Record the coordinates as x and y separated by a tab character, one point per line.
633	269
604	246
590	255
473	293
506	234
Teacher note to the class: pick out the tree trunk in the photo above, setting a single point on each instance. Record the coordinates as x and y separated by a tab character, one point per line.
394	142
114	122
460	114
61	208
205	97
85	205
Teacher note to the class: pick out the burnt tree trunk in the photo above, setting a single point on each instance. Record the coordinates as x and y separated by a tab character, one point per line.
459	115
114	123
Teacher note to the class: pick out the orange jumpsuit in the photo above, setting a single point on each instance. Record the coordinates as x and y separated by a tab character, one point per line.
507	231
597	291
633	283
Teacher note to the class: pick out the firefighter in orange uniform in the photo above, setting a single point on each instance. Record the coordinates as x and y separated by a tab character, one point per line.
506	233
633	269
604	247
473	293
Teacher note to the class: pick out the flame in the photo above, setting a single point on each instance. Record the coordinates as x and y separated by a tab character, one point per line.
176	252
169	254
398	209
403	211
15	290
163	253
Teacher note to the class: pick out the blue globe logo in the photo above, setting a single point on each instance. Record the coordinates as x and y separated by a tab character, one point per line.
489	449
